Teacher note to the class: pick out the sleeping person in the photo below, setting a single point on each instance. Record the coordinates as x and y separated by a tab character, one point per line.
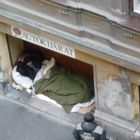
59	84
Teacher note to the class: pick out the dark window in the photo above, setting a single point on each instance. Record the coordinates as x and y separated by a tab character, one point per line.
136	6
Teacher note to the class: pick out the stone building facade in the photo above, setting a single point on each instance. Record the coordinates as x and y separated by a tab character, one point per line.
102	33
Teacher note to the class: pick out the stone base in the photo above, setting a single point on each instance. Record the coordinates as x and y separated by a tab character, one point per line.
118	129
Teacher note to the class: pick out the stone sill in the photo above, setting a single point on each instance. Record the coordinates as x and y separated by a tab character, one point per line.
31	101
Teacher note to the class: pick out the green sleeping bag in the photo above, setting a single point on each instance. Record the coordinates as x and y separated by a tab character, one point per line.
65	87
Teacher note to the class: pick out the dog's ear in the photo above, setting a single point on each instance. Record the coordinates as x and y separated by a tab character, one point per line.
50	62
48	65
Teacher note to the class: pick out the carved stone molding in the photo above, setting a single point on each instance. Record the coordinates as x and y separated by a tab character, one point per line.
114	42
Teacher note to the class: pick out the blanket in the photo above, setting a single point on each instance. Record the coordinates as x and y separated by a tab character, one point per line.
65	87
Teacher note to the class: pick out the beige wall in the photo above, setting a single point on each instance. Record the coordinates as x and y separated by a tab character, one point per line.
5	63
15	47
124	85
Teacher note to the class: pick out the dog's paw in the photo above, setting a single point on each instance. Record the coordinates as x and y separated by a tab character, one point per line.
18	87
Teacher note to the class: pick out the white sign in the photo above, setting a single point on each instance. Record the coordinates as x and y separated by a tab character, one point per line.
41	41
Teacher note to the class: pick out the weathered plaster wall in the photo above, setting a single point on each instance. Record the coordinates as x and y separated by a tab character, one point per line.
16	48
99	4
116	88
5	64
114	96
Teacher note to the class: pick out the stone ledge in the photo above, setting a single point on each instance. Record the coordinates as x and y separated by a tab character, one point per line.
24	98
116	121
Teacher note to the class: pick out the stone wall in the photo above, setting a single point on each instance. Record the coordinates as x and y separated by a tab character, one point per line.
5	63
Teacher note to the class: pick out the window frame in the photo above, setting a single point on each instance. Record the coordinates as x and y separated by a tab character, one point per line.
131	9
